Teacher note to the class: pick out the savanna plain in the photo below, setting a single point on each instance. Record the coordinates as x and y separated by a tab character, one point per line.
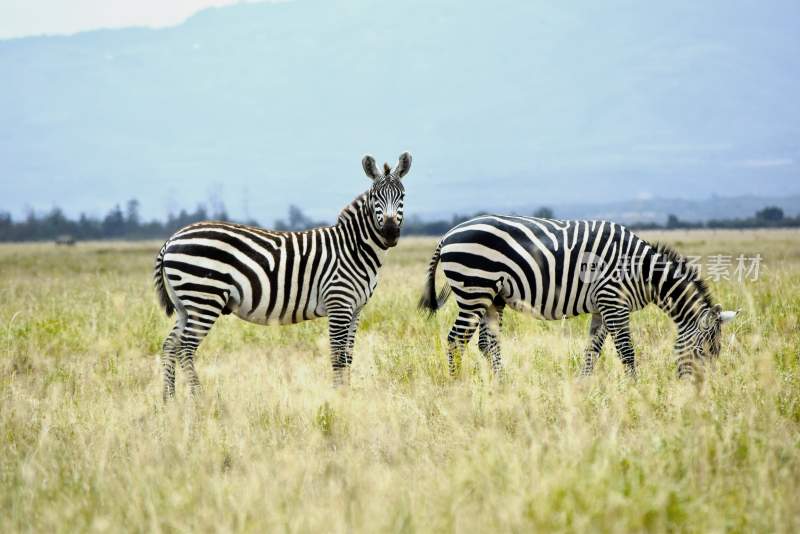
86	443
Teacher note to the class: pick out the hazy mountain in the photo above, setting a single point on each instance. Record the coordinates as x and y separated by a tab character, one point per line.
503	104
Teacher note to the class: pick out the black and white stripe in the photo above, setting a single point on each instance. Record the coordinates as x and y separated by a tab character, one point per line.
214	268
556	269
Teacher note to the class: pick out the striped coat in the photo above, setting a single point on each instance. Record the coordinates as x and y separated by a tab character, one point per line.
555	269
216	268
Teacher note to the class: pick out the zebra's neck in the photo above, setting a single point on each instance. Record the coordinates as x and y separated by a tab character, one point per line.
359	236
678	290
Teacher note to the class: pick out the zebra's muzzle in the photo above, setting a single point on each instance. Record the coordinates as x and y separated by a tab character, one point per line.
391	232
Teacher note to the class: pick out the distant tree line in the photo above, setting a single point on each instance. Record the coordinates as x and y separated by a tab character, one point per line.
126	223
117	224
297	221
769	217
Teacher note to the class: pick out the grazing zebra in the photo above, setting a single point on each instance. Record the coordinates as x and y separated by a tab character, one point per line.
215	268
556	269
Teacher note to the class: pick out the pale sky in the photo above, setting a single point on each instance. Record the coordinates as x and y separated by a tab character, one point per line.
261	107
19	18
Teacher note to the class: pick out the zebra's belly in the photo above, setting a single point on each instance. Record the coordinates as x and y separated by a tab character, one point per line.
540	312
313	309
549	301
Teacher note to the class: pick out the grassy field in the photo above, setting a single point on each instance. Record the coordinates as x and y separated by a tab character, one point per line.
87	445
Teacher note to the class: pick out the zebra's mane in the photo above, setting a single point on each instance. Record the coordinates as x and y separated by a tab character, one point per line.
690	272
352	208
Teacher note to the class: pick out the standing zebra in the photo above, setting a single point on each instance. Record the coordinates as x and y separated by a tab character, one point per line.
556	269
215	268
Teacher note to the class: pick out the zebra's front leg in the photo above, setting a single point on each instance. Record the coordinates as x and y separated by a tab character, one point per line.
617	319
341	331
597	337
351	342
489	338
624	346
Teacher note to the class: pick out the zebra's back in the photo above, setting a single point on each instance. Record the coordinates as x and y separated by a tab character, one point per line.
260	275
536	265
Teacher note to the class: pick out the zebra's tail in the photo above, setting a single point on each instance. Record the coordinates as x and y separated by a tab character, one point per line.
158	281
429	301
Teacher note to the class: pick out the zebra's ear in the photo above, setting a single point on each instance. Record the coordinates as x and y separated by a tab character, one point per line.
708	319
403	165
724	316
370	167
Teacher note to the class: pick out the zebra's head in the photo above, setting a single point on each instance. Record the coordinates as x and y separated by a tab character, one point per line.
385	197
705	333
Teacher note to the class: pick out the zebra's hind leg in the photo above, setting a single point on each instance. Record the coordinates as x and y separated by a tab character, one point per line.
168	358
489	338
460	334
198	323
597	337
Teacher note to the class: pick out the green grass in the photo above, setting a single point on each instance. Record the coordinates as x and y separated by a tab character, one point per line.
87	444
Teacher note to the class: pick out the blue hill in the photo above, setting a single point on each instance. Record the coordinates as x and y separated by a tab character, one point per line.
502	103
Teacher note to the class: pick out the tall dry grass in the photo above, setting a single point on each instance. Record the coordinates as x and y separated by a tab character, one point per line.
270	446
